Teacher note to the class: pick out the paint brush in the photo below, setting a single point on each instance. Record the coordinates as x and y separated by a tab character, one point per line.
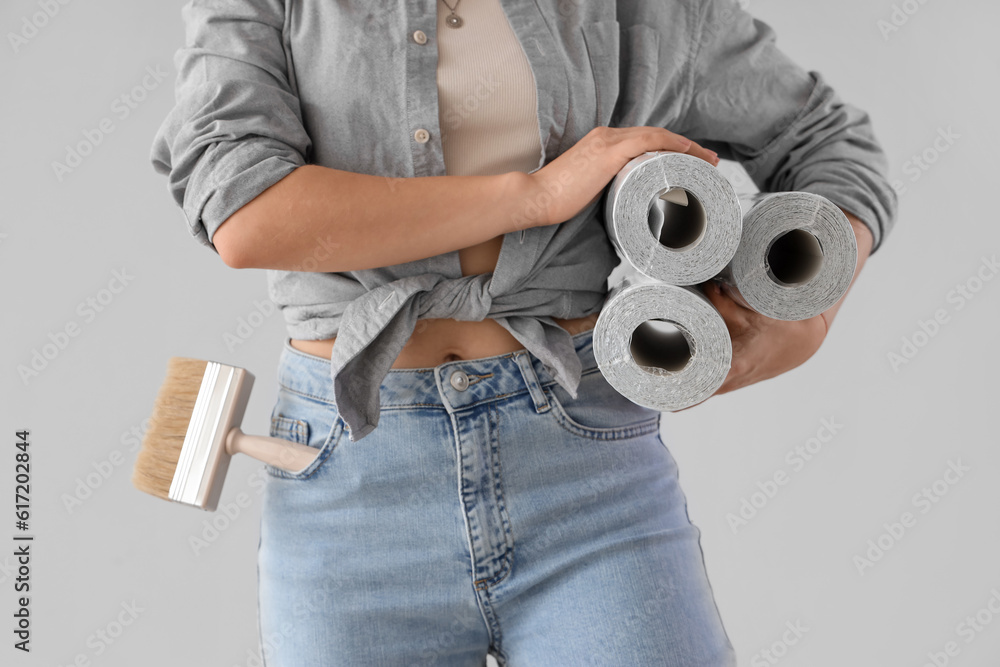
195	430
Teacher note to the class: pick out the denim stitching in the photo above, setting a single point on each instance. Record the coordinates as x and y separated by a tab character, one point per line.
594	433
494	422
321	399
323	453
298	429
328	401
496	634
608	436
404	406
491	399
473	379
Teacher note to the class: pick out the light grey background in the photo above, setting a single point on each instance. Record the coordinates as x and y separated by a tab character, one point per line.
793	562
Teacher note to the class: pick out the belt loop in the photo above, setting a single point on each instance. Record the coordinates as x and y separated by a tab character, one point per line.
523	360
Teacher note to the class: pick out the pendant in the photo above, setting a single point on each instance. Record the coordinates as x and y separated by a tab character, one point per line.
453	20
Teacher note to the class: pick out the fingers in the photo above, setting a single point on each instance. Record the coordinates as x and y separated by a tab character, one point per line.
735	379
726	387
740	371
713	291
735	315
659	139
738	323
732	383
708	156
646	139
675	142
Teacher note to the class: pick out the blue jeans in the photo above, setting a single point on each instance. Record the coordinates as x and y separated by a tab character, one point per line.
489	512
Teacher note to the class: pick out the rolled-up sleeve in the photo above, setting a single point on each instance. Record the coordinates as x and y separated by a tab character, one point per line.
236	127
789	128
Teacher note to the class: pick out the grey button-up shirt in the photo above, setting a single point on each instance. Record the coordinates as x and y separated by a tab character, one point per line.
265	86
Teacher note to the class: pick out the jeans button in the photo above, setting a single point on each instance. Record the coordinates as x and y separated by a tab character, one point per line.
459	380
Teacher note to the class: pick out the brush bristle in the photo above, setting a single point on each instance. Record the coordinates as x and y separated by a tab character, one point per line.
168	425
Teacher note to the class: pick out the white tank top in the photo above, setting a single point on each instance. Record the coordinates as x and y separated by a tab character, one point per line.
487	102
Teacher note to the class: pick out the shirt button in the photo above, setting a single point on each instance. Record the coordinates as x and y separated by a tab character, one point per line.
459	380
420	37
422	136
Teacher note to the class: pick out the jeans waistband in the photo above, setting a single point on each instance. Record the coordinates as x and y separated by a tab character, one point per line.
453	385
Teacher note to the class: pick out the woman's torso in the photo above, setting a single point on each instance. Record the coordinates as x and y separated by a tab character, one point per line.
437	341
487	103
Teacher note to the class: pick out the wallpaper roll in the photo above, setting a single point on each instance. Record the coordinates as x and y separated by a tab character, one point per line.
796	258
661	346
673	217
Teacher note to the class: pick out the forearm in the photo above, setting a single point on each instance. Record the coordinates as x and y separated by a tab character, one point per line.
865	241
363	221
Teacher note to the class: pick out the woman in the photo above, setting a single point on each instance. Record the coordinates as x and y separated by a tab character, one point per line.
422	183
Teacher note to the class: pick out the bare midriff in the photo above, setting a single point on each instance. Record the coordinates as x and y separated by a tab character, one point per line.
437	341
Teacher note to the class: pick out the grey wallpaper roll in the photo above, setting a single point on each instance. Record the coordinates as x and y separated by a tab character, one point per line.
661	346
673	217
796	257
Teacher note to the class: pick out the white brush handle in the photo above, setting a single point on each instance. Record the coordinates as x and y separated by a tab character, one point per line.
284	454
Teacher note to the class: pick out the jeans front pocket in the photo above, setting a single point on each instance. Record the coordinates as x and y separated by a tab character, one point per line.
306	421
599	411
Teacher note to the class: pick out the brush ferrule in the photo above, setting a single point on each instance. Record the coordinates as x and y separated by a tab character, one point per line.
204	459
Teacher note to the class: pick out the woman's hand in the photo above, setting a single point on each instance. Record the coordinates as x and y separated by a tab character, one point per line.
763	347
572	181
